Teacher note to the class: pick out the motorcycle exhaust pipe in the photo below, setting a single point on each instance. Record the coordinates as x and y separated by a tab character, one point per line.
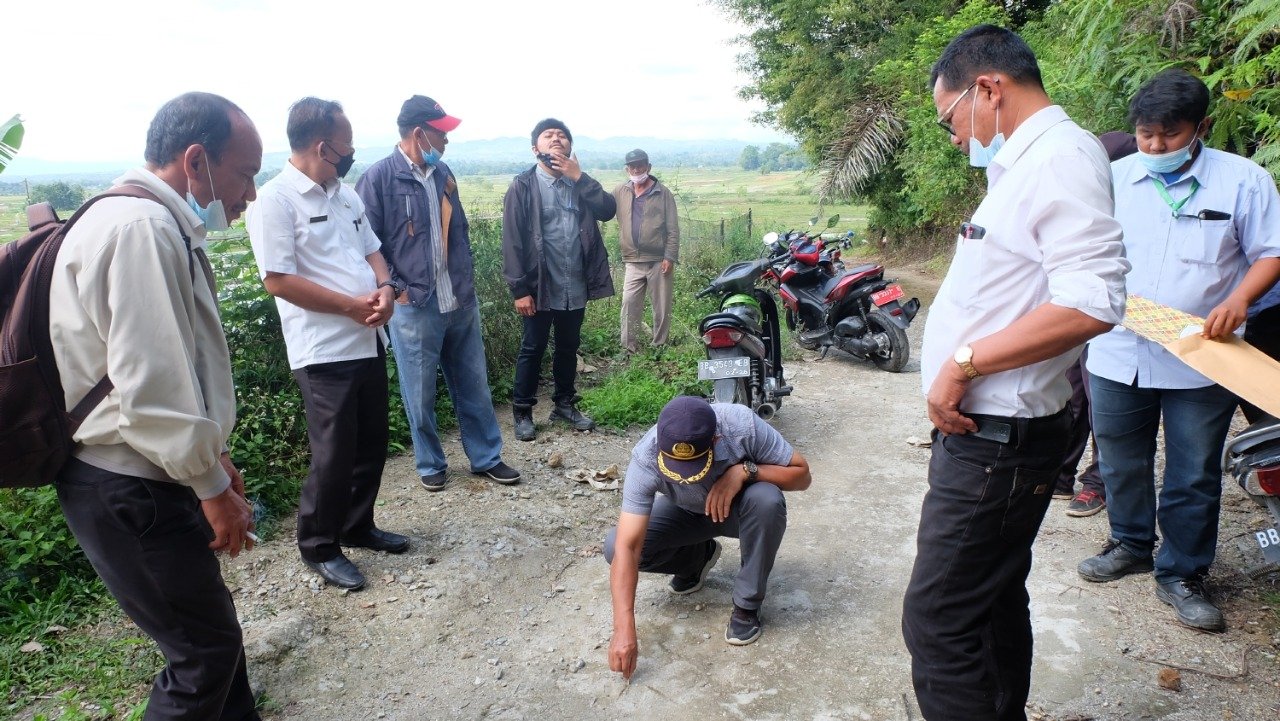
766	411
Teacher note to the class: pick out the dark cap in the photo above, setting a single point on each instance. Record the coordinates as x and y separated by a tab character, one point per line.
546	124
686	432
421	110
636	156
1119	144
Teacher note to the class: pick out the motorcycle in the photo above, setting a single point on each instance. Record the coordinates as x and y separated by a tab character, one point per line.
743	344
1252	458
854	309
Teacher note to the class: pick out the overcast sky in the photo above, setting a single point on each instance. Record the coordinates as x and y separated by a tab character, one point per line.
663	68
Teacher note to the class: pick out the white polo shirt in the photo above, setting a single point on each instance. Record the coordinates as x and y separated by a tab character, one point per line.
299	228
1185	263
1047	237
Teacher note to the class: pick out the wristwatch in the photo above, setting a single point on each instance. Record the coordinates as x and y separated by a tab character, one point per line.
752	470
395	287
964	359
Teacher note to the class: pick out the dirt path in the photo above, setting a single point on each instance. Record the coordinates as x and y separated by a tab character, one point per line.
501	609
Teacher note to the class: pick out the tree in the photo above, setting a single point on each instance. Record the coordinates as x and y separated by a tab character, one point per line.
750	158
60	195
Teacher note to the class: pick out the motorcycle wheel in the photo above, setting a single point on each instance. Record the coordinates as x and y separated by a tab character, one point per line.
894	359
731	390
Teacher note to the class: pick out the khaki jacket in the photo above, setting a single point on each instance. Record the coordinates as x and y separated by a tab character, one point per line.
659	228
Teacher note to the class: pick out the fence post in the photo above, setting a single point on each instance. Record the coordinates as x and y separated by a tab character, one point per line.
749	223
722	231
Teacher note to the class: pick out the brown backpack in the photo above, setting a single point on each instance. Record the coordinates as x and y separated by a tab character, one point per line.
35	427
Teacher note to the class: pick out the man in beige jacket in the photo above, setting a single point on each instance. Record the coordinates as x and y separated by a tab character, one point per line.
151	493
649	236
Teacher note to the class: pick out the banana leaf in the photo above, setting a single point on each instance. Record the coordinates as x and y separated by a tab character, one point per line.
10	140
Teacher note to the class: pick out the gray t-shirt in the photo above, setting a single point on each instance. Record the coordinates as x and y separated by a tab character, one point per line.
743	435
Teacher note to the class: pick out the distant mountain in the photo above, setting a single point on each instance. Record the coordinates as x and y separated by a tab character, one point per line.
467	157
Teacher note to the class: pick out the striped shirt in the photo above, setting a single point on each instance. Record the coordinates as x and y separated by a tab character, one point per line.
444	285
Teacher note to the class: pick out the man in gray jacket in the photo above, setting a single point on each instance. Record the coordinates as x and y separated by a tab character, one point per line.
649	237
554	261
151	493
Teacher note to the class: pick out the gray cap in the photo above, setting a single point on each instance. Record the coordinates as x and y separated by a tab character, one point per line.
636	156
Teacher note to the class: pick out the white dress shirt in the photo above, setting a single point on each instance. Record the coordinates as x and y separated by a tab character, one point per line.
1049	238
1184	262
299	228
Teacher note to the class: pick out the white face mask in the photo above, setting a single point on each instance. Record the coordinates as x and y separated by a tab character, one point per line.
638	179
980	156
214	216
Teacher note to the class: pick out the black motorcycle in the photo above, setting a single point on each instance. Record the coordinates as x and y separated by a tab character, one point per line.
854	309
744	348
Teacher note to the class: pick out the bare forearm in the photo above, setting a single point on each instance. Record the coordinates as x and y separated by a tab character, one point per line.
793	477
1045	332
309	294
1260	278
624	573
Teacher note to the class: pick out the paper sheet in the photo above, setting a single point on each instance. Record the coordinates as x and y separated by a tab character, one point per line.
1233	364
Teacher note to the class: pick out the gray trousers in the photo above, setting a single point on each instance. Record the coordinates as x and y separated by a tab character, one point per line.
675	541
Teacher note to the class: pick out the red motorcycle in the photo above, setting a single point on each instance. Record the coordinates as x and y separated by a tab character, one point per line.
854	309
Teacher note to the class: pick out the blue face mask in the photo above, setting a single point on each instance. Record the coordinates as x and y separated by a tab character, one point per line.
429	157
980	156
214	216
1168	162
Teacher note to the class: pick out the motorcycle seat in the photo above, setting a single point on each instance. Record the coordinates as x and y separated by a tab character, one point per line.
739	319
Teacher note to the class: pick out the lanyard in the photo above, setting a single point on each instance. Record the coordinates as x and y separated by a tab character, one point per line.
1175	205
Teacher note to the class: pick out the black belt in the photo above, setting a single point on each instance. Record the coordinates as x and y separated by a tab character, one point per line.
1012	430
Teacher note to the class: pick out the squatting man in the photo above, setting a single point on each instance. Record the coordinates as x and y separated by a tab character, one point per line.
702	472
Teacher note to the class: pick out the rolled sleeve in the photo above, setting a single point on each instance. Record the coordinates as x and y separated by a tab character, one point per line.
1080	240
638	488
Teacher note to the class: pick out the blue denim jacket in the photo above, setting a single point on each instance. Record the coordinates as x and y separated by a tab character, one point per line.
392	196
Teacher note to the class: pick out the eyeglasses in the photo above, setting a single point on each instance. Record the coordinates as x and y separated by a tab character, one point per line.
944	120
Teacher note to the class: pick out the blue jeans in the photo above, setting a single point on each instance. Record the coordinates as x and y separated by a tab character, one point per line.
1196	420
423	340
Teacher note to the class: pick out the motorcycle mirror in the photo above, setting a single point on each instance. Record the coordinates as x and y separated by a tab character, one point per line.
770	238
813	221
831	222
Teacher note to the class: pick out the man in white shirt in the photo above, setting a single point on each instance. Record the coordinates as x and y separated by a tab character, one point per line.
1202	229
1038	271
151	493
318	257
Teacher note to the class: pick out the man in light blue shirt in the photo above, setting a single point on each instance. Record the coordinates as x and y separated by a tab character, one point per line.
1202	231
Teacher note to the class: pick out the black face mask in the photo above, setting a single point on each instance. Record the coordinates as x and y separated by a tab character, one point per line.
343	166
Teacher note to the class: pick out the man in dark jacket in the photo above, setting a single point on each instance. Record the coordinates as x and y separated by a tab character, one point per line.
554	261
411	200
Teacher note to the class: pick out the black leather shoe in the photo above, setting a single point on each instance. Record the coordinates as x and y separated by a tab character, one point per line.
524	423
338	572
1187	597
569	413
1114	562
379	540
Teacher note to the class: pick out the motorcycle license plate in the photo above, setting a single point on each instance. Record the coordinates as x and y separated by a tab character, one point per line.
709	370
1269	540
888	295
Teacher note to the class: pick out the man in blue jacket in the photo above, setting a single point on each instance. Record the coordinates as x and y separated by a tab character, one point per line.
554	261
411	200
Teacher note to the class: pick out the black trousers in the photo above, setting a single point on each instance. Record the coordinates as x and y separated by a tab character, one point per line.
346	404
966	617
1262	332
564	361
1080	407
149	542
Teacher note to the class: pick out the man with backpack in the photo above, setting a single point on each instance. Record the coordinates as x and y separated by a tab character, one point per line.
150	491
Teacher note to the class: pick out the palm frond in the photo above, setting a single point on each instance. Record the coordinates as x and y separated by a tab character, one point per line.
866	142
10	140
